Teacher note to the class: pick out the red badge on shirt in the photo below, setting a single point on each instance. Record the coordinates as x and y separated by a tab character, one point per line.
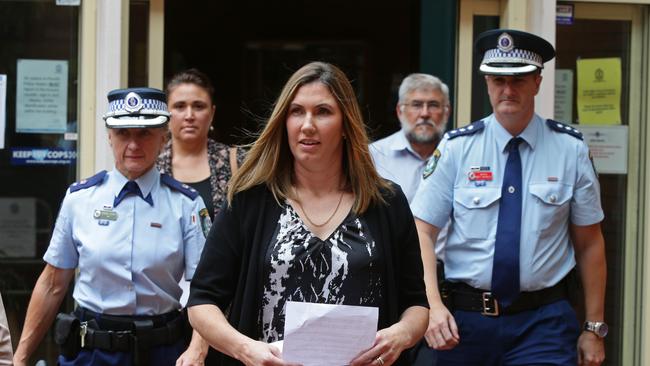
479	173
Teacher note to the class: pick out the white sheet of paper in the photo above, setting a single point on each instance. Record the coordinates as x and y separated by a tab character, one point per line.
327	335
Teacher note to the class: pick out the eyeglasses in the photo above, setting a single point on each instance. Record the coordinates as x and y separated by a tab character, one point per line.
417	105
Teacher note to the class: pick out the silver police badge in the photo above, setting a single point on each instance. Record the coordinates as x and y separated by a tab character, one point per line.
505	43
133	102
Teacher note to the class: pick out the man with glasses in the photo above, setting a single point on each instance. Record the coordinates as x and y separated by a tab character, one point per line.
524	204
423	111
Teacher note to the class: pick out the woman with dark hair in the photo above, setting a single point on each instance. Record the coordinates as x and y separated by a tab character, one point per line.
190	156
309	219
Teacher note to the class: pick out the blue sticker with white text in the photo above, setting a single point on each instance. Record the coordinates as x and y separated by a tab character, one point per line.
43	156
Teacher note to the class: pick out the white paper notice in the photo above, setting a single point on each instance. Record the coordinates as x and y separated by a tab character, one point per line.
563	95
608	147
3	109
41	96
327	335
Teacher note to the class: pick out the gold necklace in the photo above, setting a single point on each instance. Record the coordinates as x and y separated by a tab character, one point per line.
328	219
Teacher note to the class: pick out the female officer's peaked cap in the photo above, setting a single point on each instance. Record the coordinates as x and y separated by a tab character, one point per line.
136	108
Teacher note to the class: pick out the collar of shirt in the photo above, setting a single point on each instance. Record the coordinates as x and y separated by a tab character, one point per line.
400	143
529	134
146	181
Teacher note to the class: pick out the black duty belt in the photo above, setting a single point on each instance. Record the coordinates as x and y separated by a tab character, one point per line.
126	334
467	298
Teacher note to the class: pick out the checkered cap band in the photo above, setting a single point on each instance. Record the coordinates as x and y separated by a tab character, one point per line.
516	56
150	105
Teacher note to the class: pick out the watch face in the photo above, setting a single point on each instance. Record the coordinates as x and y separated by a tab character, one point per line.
601	329
598	328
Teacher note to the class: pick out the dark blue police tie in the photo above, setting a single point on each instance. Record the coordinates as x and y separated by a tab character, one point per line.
131	187
505	270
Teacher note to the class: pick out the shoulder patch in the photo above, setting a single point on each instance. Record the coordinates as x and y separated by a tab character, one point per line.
181	187
431	164
561	127
473	128
88	182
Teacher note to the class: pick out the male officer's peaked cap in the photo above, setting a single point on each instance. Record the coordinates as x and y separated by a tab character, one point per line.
512	52
136	108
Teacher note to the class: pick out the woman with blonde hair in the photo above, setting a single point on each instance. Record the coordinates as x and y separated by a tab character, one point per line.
309	219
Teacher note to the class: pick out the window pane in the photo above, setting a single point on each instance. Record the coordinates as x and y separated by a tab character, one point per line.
39	162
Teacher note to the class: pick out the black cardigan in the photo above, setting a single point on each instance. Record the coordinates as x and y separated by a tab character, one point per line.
230	270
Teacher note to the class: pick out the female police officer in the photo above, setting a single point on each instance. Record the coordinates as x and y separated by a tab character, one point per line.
131	233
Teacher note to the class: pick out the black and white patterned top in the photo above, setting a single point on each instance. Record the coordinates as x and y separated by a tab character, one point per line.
220	170
346	268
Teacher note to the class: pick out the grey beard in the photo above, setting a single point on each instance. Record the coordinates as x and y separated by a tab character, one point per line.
416	138
411	136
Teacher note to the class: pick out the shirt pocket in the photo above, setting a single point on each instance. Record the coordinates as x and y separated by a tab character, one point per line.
551	205
476	211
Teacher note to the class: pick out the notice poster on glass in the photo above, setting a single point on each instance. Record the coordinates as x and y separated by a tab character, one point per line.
564	95
3	109
17	227
41	96
608	147
599	91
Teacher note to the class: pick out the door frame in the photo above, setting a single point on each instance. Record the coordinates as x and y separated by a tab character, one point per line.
464	53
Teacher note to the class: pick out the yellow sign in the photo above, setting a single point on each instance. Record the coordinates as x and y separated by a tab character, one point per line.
599	91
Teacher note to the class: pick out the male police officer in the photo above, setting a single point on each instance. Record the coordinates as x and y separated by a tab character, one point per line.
524	203
423	110
131	233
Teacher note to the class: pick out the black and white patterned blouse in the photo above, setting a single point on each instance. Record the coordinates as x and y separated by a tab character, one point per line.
346	268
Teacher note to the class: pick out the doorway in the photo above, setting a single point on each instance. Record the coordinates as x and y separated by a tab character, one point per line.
608	39
250	48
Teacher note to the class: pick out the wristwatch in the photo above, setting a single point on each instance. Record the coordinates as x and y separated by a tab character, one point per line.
598	328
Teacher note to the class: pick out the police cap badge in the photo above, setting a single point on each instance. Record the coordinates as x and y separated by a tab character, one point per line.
136	108
512	52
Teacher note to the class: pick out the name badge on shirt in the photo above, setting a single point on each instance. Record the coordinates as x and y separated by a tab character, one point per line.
103	215
479	174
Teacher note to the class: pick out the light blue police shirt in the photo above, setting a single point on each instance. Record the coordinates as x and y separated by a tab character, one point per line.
559	187
396	160
130	257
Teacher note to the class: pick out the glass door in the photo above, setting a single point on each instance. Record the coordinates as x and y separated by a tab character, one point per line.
38	143
597	88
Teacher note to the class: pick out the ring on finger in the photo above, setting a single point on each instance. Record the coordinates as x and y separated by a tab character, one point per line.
380	360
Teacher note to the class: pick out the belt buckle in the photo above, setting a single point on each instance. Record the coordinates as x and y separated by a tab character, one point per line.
490	304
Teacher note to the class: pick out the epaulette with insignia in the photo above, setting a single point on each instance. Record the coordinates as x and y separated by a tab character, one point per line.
473	128
561	127
89	182
181	187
